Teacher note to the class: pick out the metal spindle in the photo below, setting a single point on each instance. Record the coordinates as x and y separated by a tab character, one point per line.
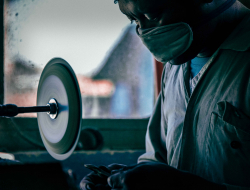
11	110
34	109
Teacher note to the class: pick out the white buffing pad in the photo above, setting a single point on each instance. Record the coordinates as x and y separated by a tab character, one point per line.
60	135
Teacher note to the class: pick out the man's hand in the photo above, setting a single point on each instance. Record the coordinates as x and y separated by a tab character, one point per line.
95	182
157	176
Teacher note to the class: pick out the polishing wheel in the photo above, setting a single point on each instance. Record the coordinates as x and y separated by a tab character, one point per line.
59	130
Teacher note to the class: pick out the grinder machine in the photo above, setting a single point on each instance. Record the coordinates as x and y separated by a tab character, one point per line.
59	109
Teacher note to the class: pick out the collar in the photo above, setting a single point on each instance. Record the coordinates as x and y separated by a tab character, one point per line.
239	39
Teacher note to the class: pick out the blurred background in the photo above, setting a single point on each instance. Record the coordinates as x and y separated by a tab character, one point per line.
114	69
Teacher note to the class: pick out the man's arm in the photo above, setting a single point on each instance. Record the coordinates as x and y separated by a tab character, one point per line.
232	187
155	175
154	149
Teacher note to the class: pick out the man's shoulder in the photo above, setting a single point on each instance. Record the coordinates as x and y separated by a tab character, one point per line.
239	39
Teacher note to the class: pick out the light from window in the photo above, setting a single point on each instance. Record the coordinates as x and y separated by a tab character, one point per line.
114	69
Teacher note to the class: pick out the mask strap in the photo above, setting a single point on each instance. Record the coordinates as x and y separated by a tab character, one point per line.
215	13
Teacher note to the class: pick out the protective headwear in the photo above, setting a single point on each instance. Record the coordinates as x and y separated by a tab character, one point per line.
170	41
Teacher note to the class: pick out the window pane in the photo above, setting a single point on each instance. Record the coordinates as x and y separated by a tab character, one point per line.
114	69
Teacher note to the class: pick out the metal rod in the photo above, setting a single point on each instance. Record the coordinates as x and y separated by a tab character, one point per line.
34	109
11	110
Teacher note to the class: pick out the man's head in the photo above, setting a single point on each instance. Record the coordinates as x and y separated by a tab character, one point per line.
152	13
156	13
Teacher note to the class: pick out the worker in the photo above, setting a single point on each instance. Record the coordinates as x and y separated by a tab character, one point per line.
198	136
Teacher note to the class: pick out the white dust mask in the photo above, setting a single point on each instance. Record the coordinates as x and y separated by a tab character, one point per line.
170	41
167	42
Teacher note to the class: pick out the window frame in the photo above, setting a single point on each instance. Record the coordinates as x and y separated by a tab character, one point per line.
2	53
118	134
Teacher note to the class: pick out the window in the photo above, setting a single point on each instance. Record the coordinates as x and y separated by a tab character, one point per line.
114	69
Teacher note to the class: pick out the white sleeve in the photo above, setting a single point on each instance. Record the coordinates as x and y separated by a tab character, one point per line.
155	151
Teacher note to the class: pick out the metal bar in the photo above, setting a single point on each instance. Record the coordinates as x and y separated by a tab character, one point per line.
2	52
34	109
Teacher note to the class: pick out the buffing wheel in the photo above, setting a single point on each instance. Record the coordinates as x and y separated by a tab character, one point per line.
59	133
